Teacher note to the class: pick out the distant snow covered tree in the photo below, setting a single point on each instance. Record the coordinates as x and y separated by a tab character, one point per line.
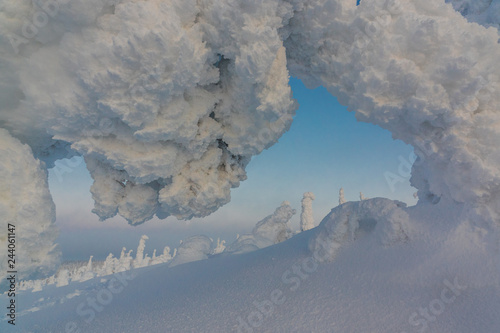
62	278
341	196
306	217
220	247
271	230
362	196
140	260
79	273
87	272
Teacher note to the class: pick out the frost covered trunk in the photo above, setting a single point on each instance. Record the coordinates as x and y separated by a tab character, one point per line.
306	216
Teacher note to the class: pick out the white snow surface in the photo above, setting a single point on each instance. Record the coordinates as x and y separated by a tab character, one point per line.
446	279
168	100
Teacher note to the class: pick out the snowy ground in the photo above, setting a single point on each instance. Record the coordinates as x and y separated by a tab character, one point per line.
444	278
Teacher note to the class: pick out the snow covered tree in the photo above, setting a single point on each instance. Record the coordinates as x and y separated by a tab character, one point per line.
271	230
341	196
220	247
140	260
362	196
306	217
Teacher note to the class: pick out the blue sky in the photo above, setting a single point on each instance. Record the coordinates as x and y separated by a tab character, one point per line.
325	149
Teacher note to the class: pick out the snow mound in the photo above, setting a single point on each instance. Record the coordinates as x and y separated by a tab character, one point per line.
193	248
306	216
271	230
385	220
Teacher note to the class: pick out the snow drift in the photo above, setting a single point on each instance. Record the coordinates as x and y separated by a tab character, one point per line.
169	100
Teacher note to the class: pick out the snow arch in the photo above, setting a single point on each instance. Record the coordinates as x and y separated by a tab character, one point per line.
169	99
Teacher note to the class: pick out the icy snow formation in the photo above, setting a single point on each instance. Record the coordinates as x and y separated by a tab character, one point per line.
386	219
168	100
421	71
26	207
306	216
271	230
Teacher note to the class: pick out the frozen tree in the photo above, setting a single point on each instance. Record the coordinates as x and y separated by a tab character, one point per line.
192	249
341	196
140	259
271	230
220	246
362	196
26	208
165	257
306	216
125	261
110	265
87	272
62	278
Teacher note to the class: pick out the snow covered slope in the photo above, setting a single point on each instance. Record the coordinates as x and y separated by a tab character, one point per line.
443	278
